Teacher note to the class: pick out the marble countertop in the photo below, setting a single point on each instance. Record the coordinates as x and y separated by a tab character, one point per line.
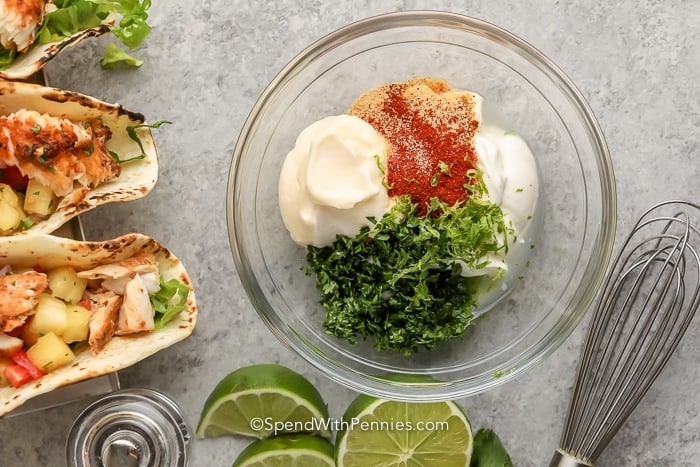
207	61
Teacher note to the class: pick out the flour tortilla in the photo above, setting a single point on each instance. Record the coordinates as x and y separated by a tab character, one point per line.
48	252
137	177
26	64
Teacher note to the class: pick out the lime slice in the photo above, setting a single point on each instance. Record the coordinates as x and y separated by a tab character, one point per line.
295	450
262	400
390	433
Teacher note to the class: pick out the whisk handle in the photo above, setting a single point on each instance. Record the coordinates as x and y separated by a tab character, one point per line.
562	459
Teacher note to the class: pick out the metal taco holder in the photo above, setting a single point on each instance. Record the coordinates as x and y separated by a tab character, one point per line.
83	389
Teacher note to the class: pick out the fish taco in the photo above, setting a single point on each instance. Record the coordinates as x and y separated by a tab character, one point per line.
32	32
63	153
72	310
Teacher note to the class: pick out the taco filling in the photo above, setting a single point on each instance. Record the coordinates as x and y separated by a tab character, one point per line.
47	316
44	158
19	23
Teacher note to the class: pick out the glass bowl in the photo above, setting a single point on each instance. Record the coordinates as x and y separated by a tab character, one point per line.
522	90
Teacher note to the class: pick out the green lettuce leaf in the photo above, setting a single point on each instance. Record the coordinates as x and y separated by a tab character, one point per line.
169	301
6	57
133	28
114	57
78	15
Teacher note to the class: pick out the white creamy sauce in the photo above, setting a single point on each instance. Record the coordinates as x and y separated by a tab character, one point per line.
510	175
331	180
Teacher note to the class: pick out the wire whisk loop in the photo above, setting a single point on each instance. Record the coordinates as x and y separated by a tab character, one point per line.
648	299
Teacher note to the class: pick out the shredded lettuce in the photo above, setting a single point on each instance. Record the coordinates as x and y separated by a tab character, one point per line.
6	57
169	301
133	28
72	16
114	56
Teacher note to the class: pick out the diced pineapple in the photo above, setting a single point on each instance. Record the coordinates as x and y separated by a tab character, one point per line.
65	283
77	324
39	199
50	316
8	195
9	217
3	379
10	210
50	352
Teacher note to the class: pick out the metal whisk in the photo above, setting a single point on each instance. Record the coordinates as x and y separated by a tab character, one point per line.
649	297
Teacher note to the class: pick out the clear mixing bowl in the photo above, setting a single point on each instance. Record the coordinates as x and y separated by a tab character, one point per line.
522	90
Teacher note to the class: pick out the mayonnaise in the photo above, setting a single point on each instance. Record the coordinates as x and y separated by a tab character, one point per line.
333	180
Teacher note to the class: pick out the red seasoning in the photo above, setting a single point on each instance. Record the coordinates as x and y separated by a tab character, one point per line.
430	130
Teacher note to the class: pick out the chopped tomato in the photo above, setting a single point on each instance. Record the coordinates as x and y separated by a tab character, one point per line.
22	359
12	176
17	375
86	303
38	268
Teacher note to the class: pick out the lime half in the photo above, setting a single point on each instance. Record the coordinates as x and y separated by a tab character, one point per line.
263	400
293	450
391	433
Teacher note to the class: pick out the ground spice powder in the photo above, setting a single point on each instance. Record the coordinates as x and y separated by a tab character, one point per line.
430	130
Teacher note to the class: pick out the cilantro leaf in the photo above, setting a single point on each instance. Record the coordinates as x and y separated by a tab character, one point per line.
26	223
131	131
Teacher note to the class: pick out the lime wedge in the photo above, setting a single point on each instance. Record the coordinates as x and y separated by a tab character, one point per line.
390	433
294	450
263	400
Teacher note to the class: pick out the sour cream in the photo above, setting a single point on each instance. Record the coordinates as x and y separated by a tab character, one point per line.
333	180
510	174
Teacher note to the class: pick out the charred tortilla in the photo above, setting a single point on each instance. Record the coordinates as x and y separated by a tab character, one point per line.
47	252
130	180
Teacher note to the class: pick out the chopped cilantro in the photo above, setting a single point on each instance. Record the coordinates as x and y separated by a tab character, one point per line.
131	131
444	168
399	280
380	166
502	373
